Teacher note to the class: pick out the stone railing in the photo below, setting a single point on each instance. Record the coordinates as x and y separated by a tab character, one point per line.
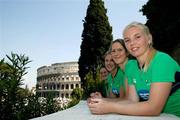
81	112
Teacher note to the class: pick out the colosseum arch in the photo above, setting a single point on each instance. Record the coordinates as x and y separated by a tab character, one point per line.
60	78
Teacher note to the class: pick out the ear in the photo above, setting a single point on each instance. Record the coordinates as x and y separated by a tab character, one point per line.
150	39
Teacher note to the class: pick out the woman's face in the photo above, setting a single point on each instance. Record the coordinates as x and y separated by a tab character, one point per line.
109	63
136	41
118	53
103	73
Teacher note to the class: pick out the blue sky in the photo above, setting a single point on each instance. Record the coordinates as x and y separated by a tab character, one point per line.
49	31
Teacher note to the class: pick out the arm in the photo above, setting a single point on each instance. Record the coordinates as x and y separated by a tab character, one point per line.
158	95
106	105
131	97
126	88
121	92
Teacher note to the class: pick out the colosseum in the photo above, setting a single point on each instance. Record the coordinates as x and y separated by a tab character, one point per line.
58	79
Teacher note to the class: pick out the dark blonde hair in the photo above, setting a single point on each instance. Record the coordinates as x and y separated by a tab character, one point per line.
120	41
107	53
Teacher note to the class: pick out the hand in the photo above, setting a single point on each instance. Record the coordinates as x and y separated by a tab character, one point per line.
96	95
98	106
88	100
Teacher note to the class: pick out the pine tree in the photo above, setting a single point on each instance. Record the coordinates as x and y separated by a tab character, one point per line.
163	19
96	39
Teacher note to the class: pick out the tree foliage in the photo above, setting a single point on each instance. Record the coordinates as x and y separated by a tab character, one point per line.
76	96
11	73
163	19
96	39
92	83
17	103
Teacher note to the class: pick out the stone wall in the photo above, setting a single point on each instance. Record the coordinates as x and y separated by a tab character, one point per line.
60	79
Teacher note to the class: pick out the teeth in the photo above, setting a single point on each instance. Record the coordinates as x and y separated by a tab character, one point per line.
134	49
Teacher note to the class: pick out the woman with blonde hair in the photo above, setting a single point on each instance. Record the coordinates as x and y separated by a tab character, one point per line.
150	79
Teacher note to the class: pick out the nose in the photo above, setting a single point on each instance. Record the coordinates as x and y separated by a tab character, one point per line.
108	62
115	52
132	42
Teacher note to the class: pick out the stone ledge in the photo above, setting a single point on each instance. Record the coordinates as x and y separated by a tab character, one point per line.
81	112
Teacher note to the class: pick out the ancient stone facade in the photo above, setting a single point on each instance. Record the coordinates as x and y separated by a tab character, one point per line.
58	79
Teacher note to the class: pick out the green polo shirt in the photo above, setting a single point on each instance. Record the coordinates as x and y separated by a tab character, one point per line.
114	84
162	68
102	86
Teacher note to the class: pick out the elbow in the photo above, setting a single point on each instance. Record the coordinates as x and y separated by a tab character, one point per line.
154	111
151	113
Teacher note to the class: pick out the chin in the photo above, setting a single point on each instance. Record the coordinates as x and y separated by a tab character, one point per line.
134	54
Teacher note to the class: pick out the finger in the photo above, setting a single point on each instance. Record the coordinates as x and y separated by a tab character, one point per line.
92	94
95	100
94	111
97	93
92	105
88	100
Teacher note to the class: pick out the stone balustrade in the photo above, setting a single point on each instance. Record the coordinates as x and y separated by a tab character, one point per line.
81	112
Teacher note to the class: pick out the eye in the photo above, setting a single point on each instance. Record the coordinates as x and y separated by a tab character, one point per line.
119	49
113	51
111	60
138	36
126	40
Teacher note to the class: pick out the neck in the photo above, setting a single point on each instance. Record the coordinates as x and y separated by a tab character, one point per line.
146	58
142	59
122	66
114	72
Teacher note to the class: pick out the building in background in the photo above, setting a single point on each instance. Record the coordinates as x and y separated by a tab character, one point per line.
59	79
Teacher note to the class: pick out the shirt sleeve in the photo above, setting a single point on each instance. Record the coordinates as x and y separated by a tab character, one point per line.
129	69
164	68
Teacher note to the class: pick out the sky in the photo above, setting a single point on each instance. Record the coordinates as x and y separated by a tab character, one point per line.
49	31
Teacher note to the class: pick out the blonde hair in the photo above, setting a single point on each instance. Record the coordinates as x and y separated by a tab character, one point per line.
149	58
143	27
146	30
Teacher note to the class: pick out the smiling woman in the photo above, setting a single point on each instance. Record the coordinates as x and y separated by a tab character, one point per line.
149	81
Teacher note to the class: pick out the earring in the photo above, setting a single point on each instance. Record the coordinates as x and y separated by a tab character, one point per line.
150	44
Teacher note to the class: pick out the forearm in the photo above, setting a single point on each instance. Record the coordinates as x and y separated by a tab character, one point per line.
157	99
134	108
115	99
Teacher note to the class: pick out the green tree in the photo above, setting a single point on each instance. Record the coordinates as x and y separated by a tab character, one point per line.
34	108
76	96
163	19
11	73
15	102
51	105
96	39
92	85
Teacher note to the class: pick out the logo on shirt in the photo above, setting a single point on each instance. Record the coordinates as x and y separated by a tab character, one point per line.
143	95
115	91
